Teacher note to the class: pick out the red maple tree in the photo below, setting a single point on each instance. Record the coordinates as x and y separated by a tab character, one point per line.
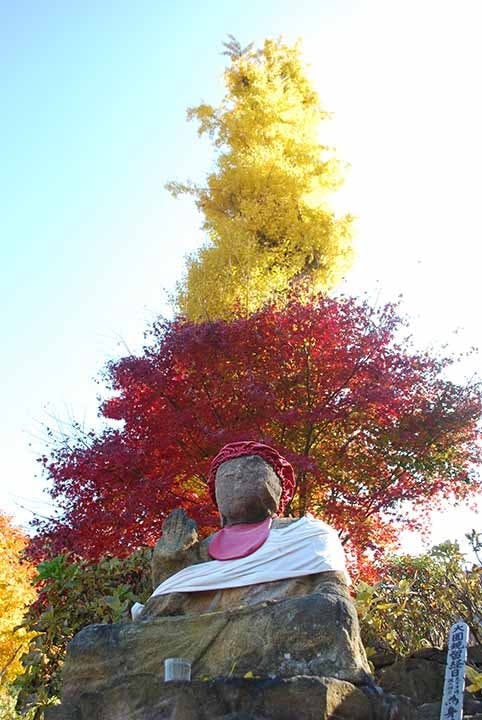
367	422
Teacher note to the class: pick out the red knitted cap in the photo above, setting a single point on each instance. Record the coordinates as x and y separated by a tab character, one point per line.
282	467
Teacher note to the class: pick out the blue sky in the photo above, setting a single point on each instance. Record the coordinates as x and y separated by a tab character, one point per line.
93	124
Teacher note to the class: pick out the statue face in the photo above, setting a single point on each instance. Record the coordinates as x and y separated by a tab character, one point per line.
247	490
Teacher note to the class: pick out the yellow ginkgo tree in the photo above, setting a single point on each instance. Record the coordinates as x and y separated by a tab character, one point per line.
266	205
16	592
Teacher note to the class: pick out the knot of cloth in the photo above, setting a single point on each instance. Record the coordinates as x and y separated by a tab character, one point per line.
280	465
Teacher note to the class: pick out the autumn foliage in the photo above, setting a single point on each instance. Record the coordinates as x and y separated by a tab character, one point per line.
367	422
267	203
16	592
259	351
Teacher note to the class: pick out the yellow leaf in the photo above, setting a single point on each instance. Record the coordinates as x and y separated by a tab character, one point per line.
475	678
266	204
17	592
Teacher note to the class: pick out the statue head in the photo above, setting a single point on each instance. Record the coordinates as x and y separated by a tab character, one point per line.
247	490
250	481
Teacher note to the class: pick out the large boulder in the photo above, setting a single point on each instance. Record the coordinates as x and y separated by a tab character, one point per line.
312	635
420	677
315	635
296	659
146	697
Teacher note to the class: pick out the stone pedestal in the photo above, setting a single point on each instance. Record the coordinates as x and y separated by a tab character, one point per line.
146	697
297	659
316	635
312	635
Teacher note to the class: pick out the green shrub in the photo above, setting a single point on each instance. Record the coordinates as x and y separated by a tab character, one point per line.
418	599
71	596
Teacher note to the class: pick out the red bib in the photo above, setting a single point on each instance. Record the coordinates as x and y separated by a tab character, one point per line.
237	541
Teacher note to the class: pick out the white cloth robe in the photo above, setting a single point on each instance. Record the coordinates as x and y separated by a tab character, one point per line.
304	547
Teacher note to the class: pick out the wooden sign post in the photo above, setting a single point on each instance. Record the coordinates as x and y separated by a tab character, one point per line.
453	697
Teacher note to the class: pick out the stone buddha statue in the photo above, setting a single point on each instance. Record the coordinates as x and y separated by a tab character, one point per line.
256	556
260	608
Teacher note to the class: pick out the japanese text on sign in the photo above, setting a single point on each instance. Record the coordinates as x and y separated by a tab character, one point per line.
453	696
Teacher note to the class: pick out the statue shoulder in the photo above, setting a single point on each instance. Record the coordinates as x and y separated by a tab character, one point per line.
283	522
308	519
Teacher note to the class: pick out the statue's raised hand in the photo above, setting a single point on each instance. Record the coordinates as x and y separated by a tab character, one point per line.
175	549
179	533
